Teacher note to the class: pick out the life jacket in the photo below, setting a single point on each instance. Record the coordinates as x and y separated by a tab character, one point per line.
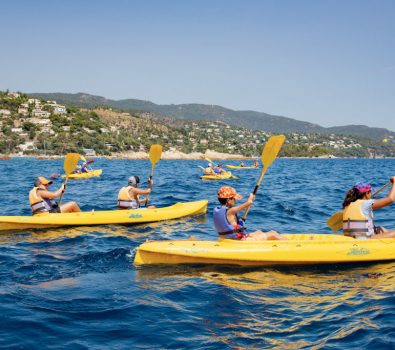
125	201
355	223
39	204
224	228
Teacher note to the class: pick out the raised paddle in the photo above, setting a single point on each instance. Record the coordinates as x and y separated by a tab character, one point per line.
335	222
269	154
70	162
155	152
209	160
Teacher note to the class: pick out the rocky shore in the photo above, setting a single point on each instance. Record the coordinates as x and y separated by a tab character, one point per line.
173	155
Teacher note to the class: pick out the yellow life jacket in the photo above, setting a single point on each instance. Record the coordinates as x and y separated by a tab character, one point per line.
39	204
355	223
125	201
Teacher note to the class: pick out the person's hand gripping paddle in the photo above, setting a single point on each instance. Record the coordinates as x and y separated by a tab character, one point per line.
269	154
155	153
70	163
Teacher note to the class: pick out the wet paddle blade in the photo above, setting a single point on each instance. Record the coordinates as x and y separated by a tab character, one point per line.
155	153
70	162
271	149
335	222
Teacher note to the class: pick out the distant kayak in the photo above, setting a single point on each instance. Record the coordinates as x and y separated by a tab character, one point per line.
226	175
135	216
299	249
241	167
92	173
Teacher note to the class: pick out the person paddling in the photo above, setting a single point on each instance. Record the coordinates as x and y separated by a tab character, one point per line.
84	168
209	170
358	207
229	225
129	196
218	170
43	201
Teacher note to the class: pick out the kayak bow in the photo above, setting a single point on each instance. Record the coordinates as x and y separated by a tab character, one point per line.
135	216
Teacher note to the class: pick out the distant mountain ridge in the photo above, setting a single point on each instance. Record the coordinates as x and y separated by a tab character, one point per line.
246	119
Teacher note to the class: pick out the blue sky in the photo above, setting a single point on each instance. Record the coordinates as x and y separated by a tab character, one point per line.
328	62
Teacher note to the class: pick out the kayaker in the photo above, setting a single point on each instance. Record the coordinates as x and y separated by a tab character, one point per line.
209	170
43	201
358	207
229	225
129	196
218	169
256	164
242	164
84	168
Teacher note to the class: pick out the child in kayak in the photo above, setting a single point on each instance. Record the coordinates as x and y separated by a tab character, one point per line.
358	207
43	201
229	225
129	196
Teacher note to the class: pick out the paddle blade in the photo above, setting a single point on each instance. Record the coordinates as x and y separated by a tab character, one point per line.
335	222
155	152
70	162
271	149
82	158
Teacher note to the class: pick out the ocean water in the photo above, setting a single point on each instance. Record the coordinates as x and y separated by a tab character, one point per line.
77	288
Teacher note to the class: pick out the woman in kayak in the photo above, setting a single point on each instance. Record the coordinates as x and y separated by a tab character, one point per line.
218	170
129	196
43	201
358	207
229	225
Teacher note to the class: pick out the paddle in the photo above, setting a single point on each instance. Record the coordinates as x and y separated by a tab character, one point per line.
335	222
155	152
70	162
209	160
269	154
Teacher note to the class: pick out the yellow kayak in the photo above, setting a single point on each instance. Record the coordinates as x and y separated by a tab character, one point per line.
226	175
299	249
241	167
135	216
92	173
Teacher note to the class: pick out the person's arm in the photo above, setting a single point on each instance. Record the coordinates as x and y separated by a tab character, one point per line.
234	210
137	191
383	202
51	195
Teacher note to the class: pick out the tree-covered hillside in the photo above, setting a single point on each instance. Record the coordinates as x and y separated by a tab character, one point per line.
245	119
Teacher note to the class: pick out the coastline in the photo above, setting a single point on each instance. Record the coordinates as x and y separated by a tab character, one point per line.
174	155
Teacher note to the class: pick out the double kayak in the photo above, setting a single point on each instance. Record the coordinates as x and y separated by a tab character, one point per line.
92	173
241	167
223	176
135	216
299	249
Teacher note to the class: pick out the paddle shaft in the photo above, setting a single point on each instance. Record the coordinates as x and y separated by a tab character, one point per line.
269	154
62	194
255	191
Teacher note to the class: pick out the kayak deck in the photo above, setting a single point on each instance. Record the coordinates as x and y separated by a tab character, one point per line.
134	216
226	175
92	173
241	167
299	249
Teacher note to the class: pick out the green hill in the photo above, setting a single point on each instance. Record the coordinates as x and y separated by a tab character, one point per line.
246	119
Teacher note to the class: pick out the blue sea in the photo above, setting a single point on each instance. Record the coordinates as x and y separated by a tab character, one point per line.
77	288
